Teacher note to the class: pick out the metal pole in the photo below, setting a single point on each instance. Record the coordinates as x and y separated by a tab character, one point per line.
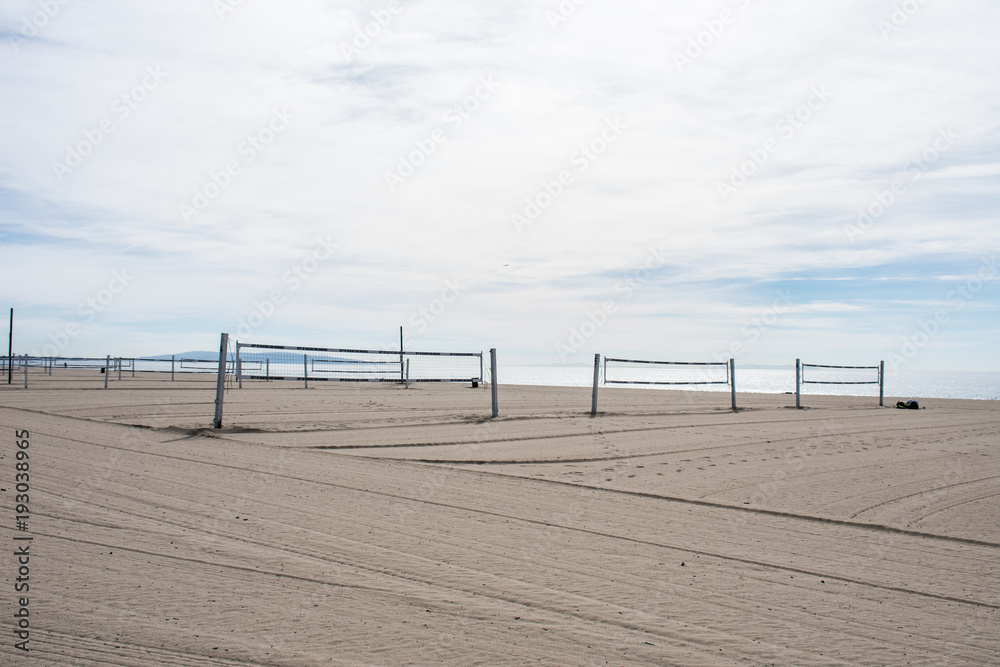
173	357
305	369
220	383
401	352
597	377
493	380
798	402
119	362
25	371
107	370
732	380
10	349
239	366
267	368
407	373
881	383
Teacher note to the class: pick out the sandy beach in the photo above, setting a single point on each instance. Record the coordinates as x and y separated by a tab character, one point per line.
368	524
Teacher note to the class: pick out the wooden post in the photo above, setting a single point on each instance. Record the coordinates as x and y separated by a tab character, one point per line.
732	380
220	382
798	401
597	377
493	380
881	383
107	370
10	350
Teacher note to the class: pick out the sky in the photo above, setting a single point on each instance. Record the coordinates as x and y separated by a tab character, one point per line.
761	180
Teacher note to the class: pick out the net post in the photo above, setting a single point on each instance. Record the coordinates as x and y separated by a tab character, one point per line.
798	401
407	381
597	377
173	357
881	383
133	366
732	380
220	382
107	370
401	369
305	370
267	368
493	380
239	366
119	362
25	371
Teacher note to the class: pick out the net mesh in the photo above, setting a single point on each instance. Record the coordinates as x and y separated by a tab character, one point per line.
271	362
634	371
820	374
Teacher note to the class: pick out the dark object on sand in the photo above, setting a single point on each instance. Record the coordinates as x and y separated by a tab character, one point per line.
907	405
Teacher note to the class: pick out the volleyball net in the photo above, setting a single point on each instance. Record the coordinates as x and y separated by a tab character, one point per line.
838	375
664	373
293	362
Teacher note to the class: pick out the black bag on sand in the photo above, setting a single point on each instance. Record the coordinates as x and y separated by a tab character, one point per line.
907	405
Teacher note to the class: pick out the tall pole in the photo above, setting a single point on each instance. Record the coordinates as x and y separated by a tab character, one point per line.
798	402
10	350
732	380
220	383
401	378
597	377
107	370
881	383
493	380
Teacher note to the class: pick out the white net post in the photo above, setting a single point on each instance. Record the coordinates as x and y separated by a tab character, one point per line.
798	383
597	377
732	380
220	383
493	380
881	383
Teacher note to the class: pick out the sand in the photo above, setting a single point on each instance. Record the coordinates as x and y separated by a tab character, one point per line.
372	525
